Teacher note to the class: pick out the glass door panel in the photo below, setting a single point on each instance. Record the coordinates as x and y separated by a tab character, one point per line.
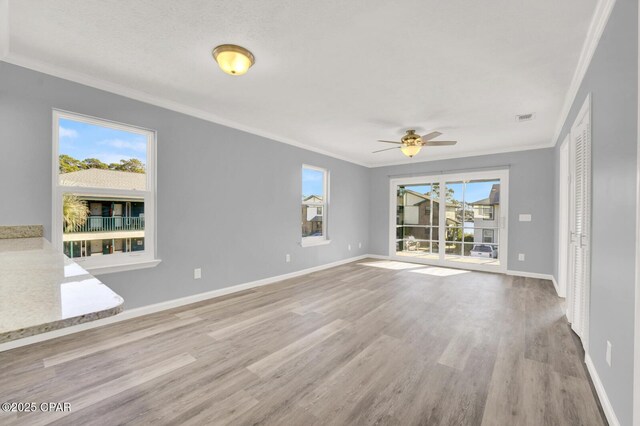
479	212
417	217
483	200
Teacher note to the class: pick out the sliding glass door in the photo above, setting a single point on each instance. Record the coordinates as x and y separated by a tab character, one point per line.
463	225
417	220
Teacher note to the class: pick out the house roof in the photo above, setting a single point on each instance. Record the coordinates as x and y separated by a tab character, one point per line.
427	198
100	178
492	199
318	197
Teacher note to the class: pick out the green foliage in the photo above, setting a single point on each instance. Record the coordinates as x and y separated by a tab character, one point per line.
69	164
74	212
132	165
448	194
94	163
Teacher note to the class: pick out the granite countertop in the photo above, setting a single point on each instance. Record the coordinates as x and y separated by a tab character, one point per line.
43	290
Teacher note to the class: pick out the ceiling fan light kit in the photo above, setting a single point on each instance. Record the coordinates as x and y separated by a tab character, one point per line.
410	150
411	143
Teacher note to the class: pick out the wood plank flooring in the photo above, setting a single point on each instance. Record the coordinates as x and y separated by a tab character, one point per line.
363	343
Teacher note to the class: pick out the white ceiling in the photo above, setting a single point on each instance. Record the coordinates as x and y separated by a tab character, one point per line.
330	75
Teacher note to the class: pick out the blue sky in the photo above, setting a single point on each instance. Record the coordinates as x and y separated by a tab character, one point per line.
83	140
312	182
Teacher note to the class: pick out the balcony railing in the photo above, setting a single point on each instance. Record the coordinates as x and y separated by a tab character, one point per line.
106	224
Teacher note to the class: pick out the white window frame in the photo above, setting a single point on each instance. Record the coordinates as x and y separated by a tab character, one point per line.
503	219
324	239
115	262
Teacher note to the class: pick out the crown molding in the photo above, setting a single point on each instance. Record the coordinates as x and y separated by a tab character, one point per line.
465	155
138	95
596	28
4	29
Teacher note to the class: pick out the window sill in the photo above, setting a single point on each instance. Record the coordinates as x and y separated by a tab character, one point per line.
320	242
122	267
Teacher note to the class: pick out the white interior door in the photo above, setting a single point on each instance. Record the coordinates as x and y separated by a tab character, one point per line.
580	224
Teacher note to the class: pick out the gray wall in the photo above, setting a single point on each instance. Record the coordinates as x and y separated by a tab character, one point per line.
612	79
217	207
531	181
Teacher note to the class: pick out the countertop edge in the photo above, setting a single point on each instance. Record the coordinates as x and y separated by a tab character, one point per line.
12	335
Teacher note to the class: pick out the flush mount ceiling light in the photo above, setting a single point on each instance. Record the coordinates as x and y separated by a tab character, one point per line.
232	59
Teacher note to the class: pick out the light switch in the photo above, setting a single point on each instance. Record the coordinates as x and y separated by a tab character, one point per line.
525	218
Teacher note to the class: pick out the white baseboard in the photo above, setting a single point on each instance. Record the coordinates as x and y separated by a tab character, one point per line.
531	275
170	304
555	284
602	395
378	256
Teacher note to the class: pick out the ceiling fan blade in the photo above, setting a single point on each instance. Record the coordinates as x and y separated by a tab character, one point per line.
399	143
439	143
386	149
430	136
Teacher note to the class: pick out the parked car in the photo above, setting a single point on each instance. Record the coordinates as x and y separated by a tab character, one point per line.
484	250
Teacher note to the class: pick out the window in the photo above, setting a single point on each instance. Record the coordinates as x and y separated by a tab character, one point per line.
487	235
315	189
484	212
103	193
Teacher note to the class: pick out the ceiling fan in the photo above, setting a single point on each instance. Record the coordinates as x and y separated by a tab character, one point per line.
412	143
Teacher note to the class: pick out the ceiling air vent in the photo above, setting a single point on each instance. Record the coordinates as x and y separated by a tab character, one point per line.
525	117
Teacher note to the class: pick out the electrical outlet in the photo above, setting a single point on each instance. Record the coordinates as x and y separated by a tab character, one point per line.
287	258
521	257
197	274
608	356
349	247
359	245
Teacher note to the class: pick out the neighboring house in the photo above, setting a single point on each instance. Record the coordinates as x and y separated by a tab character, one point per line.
422	211
115	224
416	210
102	178
486	217
312	216
414	217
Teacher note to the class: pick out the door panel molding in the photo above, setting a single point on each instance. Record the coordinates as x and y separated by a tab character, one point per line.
579	271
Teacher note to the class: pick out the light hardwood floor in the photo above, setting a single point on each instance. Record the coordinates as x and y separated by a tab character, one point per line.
357	344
